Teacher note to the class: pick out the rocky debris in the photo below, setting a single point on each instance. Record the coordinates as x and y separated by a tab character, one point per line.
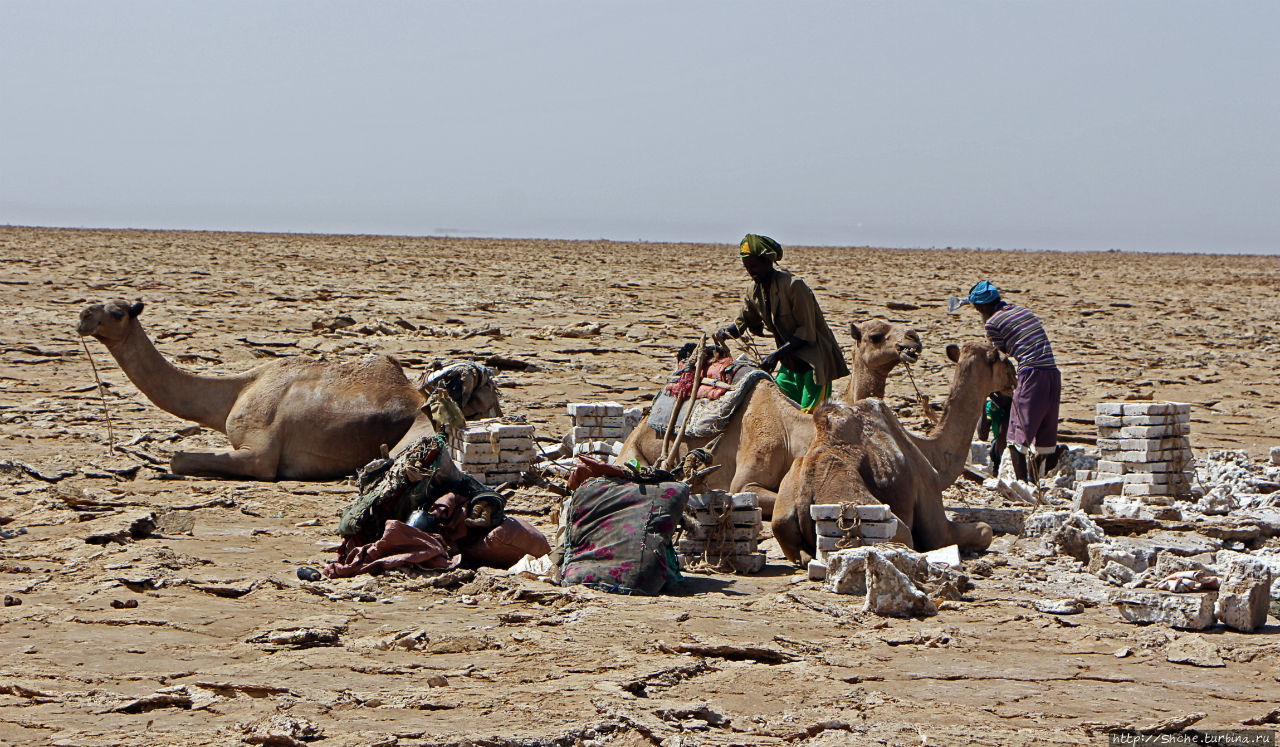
1244	594
1194	650
1236	481
850	573
1061	607
1275	454
125	529
1065	532
403	640
1189	611
282	730
168	697
891	594
1187	581
1135	558
302	634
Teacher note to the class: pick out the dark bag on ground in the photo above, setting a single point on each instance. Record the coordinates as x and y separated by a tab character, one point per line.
618	535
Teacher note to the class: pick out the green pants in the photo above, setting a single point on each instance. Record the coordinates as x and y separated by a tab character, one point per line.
801	388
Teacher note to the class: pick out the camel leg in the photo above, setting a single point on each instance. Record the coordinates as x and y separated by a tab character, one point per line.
932	529
243	462
786	522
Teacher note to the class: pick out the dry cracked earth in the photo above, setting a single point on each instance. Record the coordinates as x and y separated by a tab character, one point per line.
199	632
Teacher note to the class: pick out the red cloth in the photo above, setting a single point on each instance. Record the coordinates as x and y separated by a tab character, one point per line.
588	468
505	544
717	370
399	545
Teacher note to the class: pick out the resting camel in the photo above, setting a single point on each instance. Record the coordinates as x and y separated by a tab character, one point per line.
862	454
290	419
769	432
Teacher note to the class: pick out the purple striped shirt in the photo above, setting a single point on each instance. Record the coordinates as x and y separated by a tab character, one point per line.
1016	331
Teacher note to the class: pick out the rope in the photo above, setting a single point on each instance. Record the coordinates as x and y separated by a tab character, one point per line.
111	435
850	530
720	534
920	398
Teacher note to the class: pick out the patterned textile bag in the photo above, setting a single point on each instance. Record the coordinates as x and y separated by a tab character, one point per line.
618	535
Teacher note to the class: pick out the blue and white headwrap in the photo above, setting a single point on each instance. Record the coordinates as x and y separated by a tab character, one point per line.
984	291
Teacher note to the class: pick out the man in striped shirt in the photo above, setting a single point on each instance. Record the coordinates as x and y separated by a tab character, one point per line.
1033	418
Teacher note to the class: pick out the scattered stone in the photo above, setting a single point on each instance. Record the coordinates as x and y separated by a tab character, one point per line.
131	528
1090	494
11	601
175	522
1192	649
306	573
892	594
282	729
1244	595
1136	559
124	604
1069	532
1190	611
302	634
1275	454
1123	652
1061	607
168	697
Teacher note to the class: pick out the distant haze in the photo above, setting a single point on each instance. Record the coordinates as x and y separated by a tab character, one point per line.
1150	126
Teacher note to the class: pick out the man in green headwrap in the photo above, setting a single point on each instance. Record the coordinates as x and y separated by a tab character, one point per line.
808	357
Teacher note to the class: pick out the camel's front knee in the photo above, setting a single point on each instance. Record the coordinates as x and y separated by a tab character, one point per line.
972	537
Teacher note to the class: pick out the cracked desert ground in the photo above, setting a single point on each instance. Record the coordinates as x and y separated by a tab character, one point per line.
499	660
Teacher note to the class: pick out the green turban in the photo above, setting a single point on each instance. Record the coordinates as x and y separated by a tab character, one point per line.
754	245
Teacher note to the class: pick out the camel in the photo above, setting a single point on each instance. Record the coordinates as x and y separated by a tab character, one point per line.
769	432
289	419
862	454
878	348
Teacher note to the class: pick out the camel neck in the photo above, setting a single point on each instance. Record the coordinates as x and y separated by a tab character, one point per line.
864	383
206	400
947	445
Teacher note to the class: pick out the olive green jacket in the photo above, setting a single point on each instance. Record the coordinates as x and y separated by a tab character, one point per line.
786	307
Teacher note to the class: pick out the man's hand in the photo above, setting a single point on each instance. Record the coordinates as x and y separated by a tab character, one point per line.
770	361
726	333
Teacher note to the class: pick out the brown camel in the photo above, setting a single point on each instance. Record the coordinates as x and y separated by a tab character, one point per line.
769	432
291	418
878	348
861	453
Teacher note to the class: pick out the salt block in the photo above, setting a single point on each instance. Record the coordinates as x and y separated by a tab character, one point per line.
739	517
716	547
1173	443
948	556
1116	468
1275	454
832	511
1158	478
1244	595
698	531
817	570
600	421
1154	431
1192	611
1109	408
1157	408
718	499
1142	489
827	529
594	409
1155	419
1108	421
1001	520
1089	494
748	563
879	529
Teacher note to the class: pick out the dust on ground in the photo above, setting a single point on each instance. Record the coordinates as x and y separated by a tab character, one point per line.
203	634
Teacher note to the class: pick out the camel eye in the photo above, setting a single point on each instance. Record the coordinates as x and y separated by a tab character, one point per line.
117	314
877	338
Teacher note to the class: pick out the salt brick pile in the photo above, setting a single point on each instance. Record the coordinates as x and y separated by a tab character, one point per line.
1146	446
598	428
493	452
875	524
731	541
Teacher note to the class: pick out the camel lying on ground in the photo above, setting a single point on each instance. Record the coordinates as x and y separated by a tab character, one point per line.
862	454
291	418
769	432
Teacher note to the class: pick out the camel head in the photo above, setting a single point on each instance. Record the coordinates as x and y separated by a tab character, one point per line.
980	364
111	322
881	345
830	471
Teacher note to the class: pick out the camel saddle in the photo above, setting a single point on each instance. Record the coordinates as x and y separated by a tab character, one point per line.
720	393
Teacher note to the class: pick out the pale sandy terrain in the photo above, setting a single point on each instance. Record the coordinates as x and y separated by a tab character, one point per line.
510	661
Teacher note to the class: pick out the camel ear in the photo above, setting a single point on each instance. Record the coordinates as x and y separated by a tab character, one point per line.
993	356
953	352
853	330
136	309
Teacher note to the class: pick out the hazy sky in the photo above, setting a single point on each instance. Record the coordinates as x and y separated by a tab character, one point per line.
1048	125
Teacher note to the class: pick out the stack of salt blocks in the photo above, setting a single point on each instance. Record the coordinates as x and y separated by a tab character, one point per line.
703	532
876	524
598	428
1146	445
492	451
